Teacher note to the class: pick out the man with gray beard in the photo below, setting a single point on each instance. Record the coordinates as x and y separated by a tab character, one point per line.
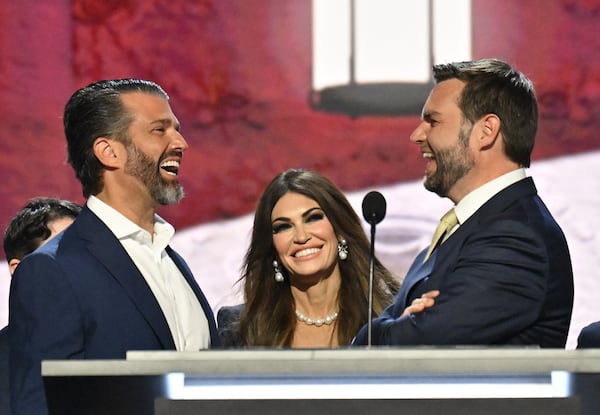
110	283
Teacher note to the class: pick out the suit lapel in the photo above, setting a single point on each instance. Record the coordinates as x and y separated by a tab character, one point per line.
110	253
189	277
418	271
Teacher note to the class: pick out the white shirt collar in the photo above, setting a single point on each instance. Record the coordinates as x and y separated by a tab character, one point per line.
474	200
122	227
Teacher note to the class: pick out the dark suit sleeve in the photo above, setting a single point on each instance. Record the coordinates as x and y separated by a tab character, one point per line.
492	286
44	323
228	318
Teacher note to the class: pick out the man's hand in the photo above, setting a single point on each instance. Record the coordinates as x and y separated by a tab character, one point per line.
425	301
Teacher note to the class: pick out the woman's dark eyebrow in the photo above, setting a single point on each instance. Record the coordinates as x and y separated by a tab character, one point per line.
304	215
309	211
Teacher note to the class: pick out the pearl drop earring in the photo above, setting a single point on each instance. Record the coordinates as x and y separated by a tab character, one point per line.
278	273
342	249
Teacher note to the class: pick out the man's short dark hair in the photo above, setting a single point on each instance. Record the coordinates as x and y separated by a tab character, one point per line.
29	227
495	87
98	111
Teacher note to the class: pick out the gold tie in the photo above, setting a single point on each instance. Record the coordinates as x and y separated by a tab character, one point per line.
448	221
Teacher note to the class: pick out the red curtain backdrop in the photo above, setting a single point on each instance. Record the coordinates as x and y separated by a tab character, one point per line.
238	73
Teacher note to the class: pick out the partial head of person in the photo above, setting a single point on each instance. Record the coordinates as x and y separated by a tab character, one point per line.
35	224
479	122
303	221
125	126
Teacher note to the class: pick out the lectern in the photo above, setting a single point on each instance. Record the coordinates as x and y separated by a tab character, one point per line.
352	381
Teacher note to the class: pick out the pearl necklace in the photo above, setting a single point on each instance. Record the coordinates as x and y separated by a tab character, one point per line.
317	321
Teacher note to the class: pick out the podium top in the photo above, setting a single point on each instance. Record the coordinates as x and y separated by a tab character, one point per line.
355	361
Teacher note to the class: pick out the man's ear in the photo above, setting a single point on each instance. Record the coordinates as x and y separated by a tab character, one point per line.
489	130
12	265
107	151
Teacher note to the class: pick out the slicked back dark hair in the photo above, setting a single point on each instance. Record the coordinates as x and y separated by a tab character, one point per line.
29	227
98	111
494	87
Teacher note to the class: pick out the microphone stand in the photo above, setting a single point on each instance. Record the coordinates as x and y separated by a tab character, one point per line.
373	207
371	272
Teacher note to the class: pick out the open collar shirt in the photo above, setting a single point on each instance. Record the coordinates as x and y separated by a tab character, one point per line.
180	306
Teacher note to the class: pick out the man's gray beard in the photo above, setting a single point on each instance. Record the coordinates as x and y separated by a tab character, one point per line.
169	194
141	166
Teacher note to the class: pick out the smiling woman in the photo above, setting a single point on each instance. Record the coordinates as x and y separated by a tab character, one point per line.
306	273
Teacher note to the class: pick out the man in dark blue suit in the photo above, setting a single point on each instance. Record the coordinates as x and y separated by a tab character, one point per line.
503	267
32	226
110	283
589	336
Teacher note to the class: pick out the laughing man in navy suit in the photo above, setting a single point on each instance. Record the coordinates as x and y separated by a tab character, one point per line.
504	270
110	283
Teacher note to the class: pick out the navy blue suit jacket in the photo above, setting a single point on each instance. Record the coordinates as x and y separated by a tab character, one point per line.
589	336
80	296
505	278
4	394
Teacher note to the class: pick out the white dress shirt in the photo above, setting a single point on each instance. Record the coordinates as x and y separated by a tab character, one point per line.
179	304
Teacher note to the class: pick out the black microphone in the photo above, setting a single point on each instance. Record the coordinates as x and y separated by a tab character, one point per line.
373	207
